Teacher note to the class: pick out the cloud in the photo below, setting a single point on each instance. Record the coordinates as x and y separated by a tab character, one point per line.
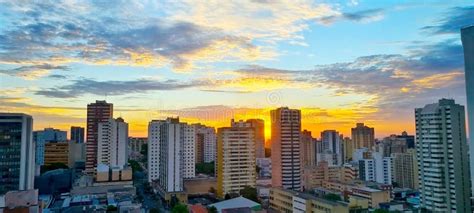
86	33
452	21
112	88
363	16
33	71
263	21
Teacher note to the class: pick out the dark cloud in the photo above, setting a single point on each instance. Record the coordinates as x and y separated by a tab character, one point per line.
88	86
358	16
33	70
58	35
452	21
57	76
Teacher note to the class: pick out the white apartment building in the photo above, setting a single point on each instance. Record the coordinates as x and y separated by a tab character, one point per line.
154	149
443	157
209	142
377	169
112	148
171	153
189	147
331	148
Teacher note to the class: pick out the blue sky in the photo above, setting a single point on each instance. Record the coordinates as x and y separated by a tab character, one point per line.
341	62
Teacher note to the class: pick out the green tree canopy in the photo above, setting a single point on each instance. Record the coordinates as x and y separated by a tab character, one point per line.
180	208
249	193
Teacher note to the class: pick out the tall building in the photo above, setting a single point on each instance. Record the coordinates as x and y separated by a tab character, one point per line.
135	144
377	169
308	149
97	112
409	139
347	149
56	152
171	156
77	153
44	136
77	134
331	145
199	148
112	143
209	142
259	127
236	161
467	37
154	149
363	136
17	151
393	144
189	150
170	163
286	165
442	157
405	169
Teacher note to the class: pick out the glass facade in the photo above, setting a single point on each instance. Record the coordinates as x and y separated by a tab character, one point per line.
10	155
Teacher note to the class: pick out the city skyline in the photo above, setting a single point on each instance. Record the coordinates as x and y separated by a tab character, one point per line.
337	62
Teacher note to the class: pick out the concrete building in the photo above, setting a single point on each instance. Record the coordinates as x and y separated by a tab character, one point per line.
154	149
308	149
331	152
286	165
17	153
199	152
467	37
443	157
77	134
348	149
77	153
189	150
236	160
315	176
56	152
209	143
97	112
171	156
259	127
409	139
363	136
405	169
112	143
44	136
377	169
265	165
393	144
170	161
135	144
288	201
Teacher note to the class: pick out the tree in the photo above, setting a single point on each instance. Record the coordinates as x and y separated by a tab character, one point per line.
180	208
332	197
205	168
249	193
212	190
135	166
212	209
381	211
111	208
154	210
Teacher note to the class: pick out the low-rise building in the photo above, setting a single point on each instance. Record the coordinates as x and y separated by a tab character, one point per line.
287	201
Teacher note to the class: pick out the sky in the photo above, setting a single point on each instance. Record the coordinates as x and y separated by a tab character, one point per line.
340	62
